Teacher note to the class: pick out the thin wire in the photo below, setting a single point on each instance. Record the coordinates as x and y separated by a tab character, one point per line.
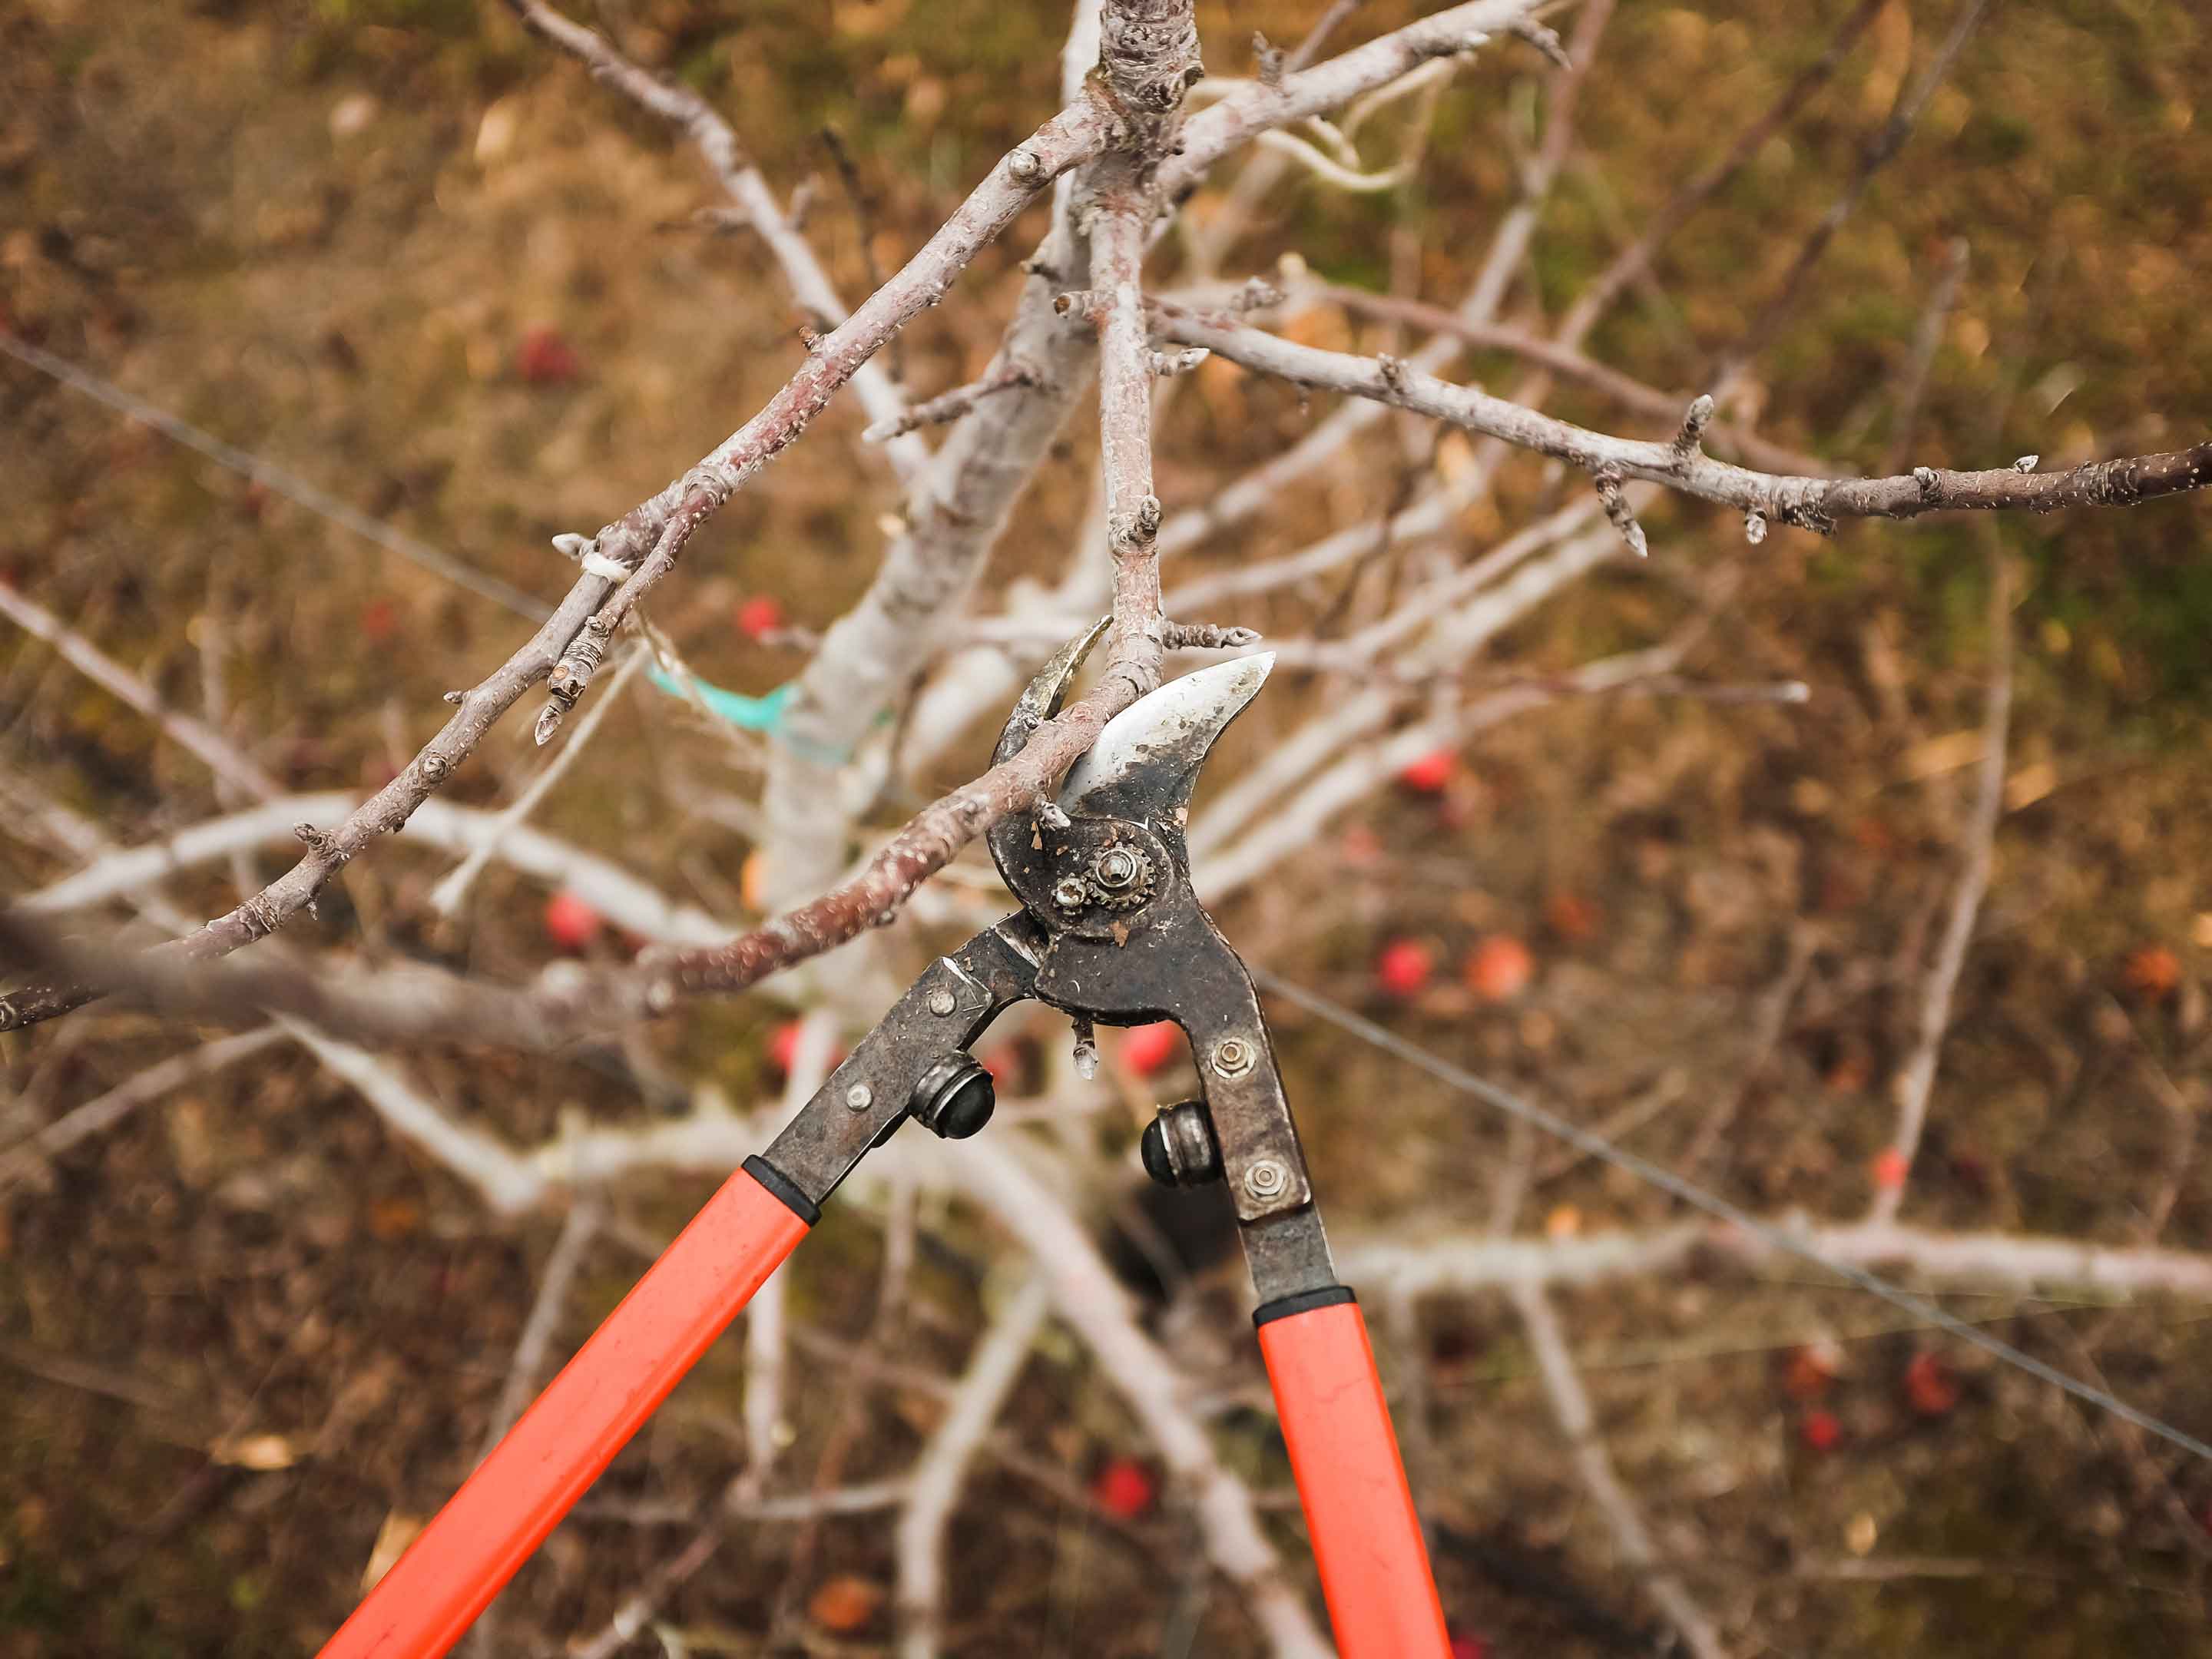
1712	1204
272	477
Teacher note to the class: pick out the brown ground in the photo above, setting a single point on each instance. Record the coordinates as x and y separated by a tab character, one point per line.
238	1330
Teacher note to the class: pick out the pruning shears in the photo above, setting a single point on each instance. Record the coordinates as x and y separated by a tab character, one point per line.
1110	931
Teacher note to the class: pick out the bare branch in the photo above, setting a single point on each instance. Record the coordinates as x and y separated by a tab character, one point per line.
1917	1080
612	891
1566	362
647	541
448	894
1255	106
1563	1386
1808	502
220	756
1635	260
949	406
718	143
96	1116
941	1471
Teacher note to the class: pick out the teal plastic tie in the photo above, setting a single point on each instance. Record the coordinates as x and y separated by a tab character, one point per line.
763	714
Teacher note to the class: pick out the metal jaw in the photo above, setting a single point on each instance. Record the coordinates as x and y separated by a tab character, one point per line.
1111	931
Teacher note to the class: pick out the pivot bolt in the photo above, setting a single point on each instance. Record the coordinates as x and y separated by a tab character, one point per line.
942	1003
1116	867
1071	893
1234	1056
859	1098
1267	1180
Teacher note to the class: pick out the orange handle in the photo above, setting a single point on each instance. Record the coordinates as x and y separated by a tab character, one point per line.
1359	1512
587	1414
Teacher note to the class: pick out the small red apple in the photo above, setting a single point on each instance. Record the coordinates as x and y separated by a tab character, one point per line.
783	1045
1429	775
1821	1431
1403	968
570	922
1889	1168
759	614
1811	1370
1930	1385
2151	971
1572	917
1500	968
1149	1048
545	358
1124	1488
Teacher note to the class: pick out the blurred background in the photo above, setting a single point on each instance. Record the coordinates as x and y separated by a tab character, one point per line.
252	1331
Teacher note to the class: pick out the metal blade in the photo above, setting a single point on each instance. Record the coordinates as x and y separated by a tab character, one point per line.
1041	699
1144	764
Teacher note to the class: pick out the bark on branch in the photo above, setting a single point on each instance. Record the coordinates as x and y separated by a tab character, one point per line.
1811	503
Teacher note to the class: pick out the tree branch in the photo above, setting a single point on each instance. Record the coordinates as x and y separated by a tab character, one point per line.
645	542
1811	503
1916	1082
717	142
1571	1405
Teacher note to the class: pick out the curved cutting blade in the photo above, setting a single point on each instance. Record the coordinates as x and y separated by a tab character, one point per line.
1040	701
1145	762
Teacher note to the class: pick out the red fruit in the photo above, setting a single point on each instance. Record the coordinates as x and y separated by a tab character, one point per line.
1821	1431
1573	917
1930	1385
570	922
545	358
1147	1048
1404	967
1889	1168
380	620
1500	968
1124	1488
1812	1369
783	1045
759	614
1430	774
1469	1647
2151	971
1001	1062
843	1604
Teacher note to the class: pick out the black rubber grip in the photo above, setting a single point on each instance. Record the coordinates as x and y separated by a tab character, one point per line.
782	1188
1304	1301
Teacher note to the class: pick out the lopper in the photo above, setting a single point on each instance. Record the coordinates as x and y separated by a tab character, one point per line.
1109	931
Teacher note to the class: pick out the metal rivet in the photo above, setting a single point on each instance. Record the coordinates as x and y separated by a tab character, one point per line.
942	1003
860	1096
1266	1179
1233	1057
1071	893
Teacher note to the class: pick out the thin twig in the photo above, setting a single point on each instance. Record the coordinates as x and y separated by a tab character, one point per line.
452	890
218	753
646	542
941	1471
103	1112
1916	1080
1812	503
1571	1405
717	142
